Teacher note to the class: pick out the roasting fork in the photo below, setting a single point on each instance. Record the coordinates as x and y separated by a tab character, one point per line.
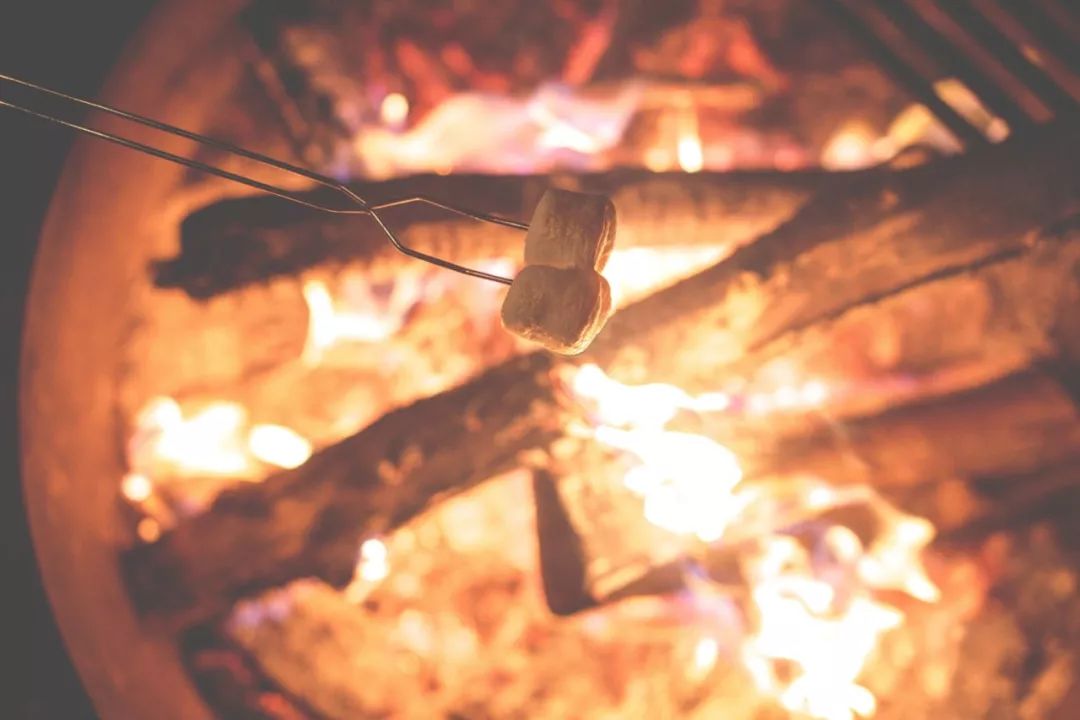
1035	42
354	204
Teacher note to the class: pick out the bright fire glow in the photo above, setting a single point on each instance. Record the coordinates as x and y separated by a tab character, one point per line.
853	146
209	441
148	530
213	440
706	653
372	566
278	445
359	311
690	153
136	487
394	109
813	619
329	325
475	132
637	271
686	480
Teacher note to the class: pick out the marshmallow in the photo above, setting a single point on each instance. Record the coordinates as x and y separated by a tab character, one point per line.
561	308
571	229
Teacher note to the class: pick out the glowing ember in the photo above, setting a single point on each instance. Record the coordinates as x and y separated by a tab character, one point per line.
136	487
638	271
813	620
278	445
209	441
213	440
706	653
148	530
474	132
690	154
373	560
853	146
372	566
394	110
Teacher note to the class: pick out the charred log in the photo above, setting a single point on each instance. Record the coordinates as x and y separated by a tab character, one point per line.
309	521
956	330
1015	651
237	242
561	555
855	244
1009	428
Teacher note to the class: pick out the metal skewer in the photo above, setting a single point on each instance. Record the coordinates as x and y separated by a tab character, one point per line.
356	205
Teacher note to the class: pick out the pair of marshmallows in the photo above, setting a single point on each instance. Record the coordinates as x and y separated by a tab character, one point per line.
560	299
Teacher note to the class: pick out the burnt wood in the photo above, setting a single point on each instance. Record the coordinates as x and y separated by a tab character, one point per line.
908	237
236	242
309	521
860	242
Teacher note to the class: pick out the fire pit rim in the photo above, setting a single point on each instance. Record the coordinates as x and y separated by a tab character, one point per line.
67	399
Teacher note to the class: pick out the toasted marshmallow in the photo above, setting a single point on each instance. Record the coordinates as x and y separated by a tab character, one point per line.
571	229
563	309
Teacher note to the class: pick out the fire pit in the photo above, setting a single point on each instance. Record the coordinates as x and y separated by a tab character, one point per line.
815	466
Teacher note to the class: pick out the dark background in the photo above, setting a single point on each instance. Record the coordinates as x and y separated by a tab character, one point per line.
70	45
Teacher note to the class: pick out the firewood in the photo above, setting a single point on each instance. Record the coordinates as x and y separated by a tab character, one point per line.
1008	428
950	332
310	520
857	243
948	220
237	242
314	647
561	555
1050	493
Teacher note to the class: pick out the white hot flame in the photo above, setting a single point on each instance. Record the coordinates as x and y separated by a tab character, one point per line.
217	439
689	151
813	618
394	110
372	567
208	441
474	132
278	445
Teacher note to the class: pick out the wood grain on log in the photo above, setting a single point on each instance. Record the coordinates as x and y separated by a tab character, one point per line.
952	332
849	252
1008	428
310	520
857	243
237	242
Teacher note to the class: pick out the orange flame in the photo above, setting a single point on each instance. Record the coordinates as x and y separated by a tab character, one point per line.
635	272
689	151
814	620
209	441
216	440
329	324
372	566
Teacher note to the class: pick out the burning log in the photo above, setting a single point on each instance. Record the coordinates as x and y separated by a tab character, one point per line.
949	333
900	235
858	243
310	520
315	644
237	242
1006	429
